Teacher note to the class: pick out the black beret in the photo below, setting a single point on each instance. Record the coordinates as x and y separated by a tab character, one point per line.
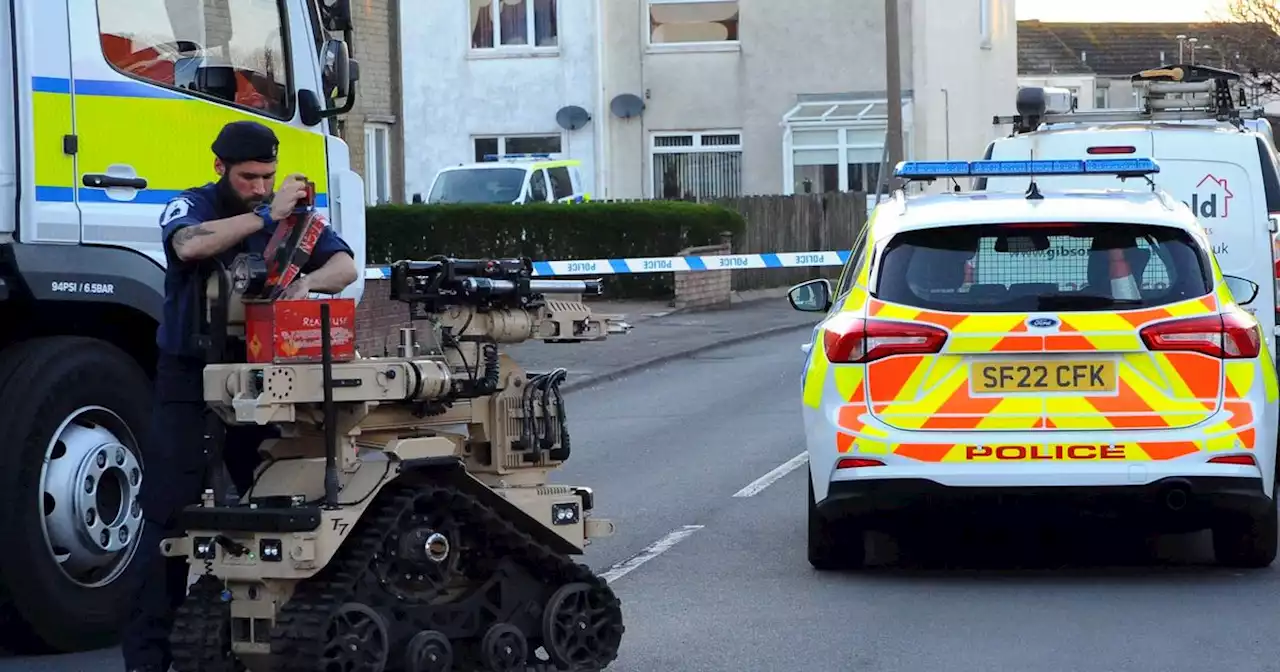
246	141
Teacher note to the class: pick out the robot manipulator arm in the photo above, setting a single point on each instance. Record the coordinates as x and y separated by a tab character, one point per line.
499	301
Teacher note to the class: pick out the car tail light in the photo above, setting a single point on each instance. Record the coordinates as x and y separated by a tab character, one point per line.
1226	336
1246	460
1117	149
854	340
857	462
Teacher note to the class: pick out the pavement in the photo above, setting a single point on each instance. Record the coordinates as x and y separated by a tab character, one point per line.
699	463
662	334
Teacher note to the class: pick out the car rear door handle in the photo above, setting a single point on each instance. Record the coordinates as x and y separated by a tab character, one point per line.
102	181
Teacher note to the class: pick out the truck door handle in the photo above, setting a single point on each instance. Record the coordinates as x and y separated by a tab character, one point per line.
101	181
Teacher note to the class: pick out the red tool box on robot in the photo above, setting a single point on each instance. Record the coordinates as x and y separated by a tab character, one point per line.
288	332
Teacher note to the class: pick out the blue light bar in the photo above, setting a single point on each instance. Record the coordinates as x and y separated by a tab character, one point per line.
932	170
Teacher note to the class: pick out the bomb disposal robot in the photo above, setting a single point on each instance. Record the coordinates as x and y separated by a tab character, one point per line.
404	521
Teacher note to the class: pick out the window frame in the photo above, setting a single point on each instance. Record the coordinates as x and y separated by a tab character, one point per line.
696	148
1103	94
502	143
646	25
371	130
291	82
500	50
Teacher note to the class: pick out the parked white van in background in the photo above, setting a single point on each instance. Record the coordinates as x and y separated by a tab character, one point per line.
1217	158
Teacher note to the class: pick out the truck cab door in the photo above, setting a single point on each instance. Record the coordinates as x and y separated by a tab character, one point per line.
46	128
149	103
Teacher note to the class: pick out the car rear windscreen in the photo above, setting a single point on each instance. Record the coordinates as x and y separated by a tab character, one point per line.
1042	267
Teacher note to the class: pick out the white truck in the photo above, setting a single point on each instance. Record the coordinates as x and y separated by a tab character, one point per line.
1215	154
109	113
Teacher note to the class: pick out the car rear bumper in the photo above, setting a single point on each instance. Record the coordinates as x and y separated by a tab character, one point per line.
1186	499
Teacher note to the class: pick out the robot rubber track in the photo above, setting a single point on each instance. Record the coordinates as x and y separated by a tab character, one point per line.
500	595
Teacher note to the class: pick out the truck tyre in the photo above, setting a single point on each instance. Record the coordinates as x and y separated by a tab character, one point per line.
74	413
834	544
1247	541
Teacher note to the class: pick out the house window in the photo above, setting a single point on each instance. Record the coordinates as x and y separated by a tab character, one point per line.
492	148
377	163
985	23
1101	97
838	145
685	22
514	24
697	166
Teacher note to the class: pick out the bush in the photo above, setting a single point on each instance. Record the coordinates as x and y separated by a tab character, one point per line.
550	231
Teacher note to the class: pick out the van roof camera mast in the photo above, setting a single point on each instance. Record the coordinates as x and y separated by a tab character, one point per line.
1172	93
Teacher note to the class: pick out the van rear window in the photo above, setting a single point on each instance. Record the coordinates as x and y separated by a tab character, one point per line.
1042	267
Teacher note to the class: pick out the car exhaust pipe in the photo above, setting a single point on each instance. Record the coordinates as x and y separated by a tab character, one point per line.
1178	495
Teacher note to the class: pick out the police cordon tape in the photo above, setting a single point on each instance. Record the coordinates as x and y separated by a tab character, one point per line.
714	262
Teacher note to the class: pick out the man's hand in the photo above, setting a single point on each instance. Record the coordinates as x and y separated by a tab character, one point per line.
292	190
298	289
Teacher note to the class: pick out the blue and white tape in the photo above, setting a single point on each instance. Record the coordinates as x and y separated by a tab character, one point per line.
717	262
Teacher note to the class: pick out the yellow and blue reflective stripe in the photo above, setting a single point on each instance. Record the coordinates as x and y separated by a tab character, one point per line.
108	114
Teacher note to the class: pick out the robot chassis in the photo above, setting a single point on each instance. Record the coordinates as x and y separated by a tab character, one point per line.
404	520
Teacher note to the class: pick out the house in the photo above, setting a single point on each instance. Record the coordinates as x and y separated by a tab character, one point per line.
705	99
1096	60
372	128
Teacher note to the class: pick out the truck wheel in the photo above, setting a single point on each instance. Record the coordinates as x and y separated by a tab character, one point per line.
73	413
1247	541
834	544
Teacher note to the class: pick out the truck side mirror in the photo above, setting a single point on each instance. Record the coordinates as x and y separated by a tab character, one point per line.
339	75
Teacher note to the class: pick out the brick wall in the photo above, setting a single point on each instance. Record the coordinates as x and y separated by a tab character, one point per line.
377	318
703	289
377	48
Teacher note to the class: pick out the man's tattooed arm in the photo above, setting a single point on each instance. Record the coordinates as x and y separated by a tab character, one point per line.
201	241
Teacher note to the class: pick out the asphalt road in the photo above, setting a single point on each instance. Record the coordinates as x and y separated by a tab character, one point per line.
694	462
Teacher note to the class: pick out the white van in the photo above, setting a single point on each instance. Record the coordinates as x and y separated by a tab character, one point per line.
1217	159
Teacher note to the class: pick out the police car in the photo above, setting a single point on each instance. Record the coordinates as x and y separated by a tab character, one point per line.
511	178
1094	349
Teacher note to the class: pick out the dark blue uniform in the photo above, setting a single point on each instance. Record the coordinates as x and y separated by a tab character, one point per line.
176	463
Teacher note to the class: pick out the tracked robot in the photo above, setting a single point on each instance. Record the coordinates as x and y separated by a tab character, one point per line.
403	521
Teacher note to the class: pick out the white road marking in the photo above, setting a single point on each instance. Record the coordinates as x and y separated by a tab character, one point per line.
648	553
753	488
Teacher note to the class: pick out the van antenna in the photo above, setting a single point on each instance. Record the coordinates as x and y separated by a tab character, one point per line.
1033	190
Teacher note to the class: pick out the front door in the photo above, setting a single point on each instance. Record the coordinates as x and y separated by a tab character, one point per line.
153	83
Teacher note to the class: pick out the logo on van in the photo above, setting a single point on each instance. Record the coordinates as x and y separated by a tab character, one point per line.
1211	199
1042	322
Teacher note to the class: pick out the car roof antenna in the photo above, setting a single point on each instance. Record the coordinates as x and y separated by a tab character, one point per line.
1033	190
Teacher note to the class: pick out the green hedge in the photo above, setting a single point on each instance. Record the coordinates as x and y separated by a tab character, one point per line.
549	231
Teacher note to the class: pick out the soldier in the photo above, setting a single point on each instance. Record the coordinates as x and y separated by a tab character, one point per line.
222	219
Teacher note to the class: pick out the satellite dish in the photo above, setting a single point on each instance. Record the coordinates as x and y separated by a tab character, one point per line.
627	105
572	117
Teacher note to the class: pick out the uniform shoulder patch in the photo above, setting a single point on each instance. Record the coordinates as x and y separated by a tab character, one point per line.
177	208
